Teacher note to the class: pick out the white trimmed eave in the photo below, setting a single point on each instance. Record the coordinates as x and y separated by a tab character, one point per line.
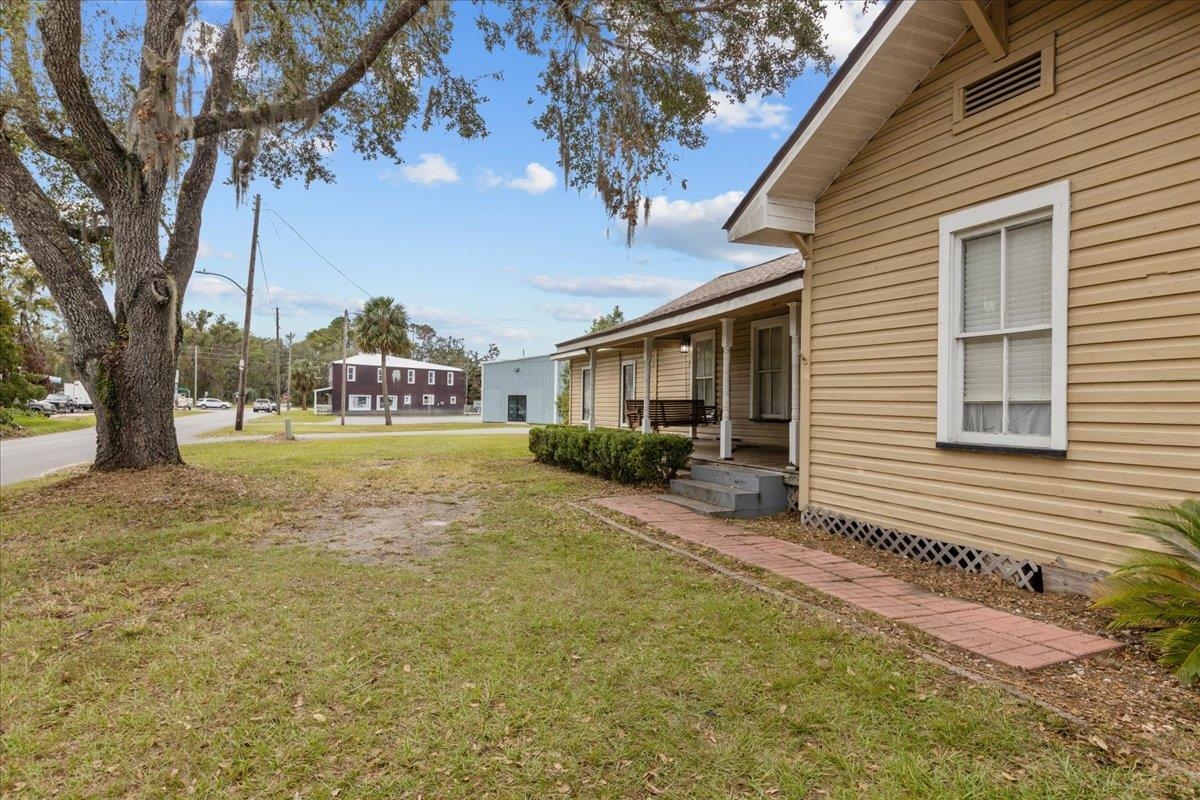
782	210
652	328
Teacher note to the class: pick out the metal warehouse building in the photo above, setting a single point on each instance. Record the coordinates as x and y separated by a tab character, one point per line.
520	390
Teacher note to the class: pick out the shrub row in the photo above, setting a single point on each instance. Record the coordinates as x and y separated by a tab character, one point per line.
620	455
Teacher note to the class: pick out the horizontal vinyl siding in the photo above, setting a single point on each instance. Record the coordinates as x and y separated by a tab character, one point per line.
1124	127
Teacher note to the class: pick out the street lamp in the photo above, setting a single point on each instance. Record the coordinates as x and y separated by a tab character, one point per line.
226	277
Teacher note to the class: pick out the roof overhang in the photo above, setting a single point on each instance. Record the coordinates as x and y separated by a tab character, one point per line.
576	348
904	43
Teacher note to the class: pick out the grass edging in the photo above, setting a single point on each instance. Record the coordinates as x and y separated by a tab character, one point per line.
1078	725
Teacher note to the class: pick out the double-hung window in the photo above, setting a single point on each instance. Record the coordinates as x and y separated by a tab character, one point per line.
769	357
449	378
432	377
408	399
586	386
350	374
379	374
412	376
1002	337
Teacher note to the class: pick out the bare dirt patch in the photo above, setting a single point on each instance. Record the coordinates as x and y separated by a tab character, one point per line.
413	527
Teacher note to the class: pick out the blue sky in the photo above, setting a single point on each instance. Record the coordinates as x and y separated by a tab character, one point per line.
479	238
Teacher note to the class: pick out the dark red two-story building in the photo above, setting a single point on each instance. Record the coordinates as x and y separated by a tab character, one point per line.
415	387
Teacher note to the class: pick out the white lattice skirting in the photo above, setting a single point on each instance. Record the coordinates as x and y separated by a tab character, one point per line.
1022	572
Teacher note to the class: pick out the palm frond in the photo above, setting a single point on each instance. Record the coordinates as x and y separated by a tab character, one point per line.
1160	591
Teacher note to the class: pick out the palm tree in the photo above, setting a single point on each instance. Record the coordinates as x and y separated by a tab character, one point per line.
382	326
1160	590
306	376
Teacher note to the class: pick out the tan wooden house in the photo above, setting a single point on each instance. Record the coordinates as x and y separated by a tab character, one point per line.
988	344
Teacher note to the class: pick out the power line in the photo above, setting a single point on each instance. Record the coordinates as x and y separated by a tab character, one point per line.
319	254
266	280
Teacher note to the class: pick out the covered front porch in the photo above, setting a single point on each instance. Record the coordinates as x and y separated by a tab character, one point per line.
721	364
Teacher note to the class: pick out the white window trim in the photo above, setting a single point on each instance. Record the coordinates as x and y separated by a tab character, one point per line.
428	400
781	321
408	399
351	374
621	398
379	374
432	377
379	402
453	399
1052	202
449	378
412	376
716	378
352	407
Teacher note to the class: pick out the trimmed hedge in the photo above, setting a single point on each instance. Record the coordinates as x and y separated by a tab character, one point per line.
619	455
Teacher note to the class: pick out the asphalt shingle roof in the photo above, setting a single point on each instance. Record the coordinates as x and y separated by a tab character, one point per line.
720	287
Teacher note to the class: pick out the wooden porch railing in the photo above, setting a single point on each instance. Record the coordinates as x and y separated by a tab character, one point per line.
667	413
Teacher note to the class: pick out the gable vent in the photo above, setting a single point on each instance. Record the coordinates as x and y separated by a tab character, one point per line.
1016	79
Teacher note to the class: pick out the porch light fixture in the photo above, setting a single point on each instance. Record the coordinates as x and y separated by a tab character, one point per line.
685	344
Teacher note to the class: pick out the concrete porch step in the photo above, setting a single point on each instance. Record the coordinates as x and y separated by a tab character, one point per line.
698	506
717	494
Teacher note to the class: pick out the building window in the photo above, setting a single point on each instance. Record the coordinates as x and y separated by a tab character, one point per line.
628	389
379	374
453	400
432	377
769	357
1002	338
586	385
351	375
449	378
412	376
360	402
391	401
408	399
427	399
704	368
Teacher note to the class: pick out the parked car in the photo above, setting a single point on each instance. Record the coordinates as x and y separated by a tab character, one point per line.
211	402
40	407
264	404
61	402
183	401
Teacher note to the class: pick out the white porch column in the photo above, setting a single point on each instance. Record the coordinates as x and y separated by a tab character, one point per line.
591	421
794	385
726	415
647	352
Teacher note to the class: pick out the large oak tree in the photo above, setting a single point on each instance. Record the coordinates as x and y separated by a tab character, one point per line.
113	124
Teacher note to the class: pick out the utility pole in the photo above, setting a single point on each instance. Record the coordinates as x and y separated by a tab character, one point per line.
278	397
288	381
195	374
345	347
243	364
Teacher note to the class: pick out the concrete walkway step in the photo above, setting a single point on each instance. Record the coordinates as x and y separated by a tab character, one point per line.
697	506
1003	637
718	494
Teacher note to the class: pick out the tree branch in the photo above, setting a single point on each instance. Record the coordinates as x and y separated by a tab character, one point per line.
62	37
56	257
94	233
189	205
220	121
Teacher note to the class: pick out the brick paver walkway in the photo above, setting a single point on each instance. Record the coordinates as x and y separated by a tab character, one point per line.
998	635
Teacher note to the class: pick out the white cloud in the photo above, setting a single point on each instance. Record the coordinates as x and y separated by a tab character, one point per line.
487	179
477	331
694	229
845	23
537	179
615	285
291	302
570	312
756	113
430	170
206	250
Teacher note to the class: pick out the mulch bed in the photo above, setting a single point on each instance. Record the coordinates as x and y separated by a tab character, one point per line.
1123	695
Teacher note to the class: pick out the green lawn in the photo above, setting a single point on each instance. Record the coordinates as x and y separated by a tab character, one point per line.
36	424
306	422
161	638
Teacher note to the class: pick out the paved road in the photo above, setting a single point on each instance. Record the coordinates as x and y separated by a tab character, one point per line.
21	459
